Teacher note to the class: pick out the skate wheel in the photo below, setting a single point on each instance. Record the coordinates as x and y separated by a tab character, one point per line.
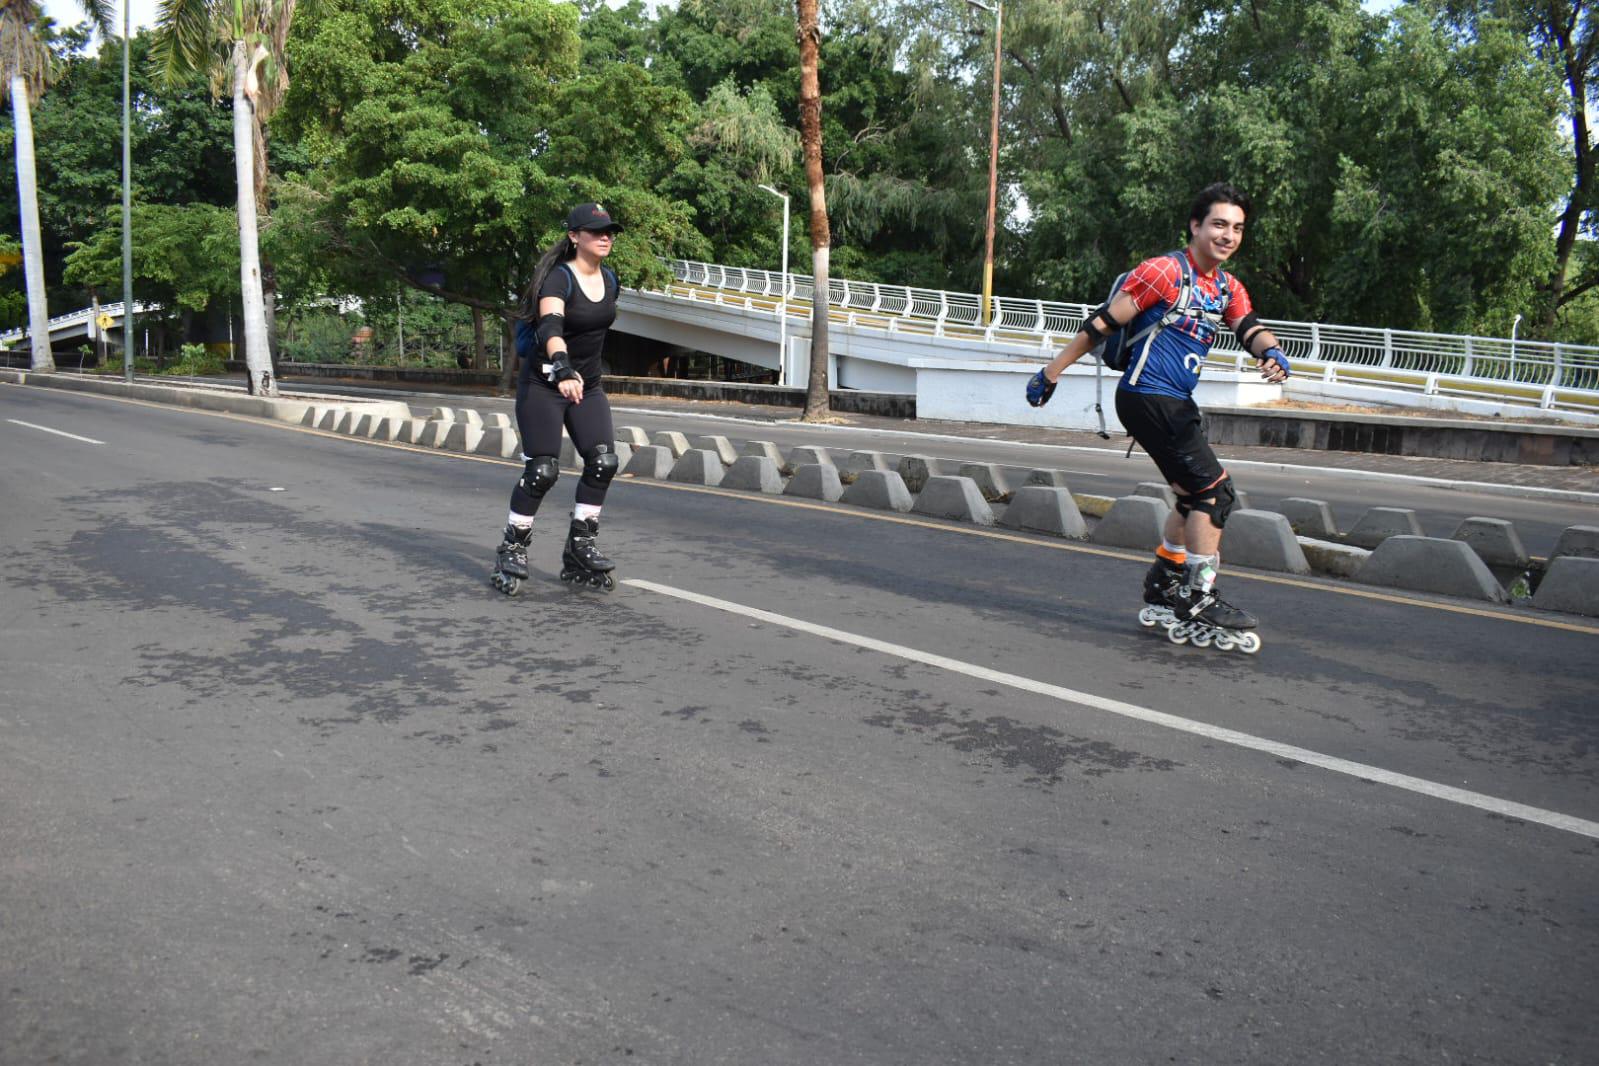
1201	638
607	582
1177	634
1225	642
1149	618
1248	643
505	583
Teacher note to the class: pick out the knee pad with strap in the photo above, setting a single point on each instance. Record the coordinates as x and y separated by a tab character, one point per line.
540	475
1218	510
600	466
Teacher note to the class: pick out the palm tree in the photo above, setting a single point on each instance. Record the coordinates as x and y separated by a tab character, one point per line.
239	44
817	406
25	67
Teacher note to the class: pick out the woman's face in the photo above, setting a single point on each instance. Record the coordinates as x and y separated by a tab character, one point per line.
596	243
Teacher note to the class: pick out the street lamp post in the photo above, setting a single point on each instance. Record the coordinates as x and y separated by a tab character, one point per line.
782	306
1513	326
993	162
127	200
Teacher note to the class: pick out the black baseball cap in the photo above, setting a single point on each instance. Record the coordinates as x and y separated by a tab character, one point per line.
591	217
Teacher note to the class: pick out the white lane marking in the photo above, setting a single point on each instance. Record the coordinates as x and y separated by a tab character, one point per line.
1448	793
57	432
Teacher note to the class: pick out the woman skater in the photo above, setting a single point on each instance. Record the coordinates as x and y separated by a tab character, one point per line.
566	310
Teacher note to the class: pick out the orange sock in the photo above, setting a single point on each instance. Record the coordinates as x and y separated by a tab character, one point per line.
1177	558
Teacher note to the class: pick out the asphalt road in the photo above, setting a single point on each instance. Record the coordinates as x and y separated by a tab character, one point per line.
1437	490
283	781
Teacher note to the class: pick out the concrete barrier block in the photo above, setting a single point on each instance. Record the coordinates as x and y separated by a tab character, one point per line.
329	419
434	433
1380	523
498	420
461	437
1156	490
859	462
632	435
470	417
366	425
990	482
414	431
697	466
943	496
1571	584
815	481
442	414
1132	522
883	490
313	415
1335	560
568	456
1494	539
725	452
624	454
673	441
914	470
1243	499
346	422
1044	509
652	460
1264	540
1050	479
763	449
754	473
497	440
1310	518
806	455
1430	564
1581	541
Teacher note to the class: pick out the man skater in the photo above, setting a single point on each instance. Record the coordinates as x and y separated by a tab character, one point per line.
1171	308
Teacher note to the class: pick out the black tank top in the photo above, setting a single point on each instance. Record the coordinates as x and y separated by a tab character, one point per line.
586	323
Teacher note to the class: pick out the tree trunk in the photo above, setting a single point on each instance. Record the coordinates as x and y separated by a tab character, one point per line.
480	347
257	353
1583	166
816	400
32	249
508	364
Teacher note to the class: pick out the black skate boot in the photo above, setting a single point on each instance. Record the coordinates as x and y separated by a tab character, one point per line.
1204	618
581	561
1161	585
510	565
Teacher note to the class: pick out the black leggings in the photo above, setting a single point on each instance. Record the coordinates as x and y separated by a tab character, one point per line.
540	413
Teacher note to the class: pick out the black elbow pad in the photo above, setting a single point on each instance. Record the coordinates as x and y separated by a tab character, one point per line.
552	325
1247	327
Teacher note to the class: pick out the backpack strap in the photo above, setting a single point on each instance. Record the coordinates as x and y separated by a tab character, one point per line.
613	284
1185	295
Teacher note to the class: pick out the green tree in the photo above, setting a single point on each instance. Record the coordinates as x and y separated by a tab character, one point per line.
25	70
239	44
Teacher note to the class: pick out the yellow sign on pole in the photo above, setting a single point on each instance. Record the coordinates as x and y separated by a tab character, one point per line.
105	321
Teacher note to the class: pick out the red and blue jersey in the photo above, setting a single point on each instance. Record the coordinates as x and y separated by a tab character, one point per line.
1177	352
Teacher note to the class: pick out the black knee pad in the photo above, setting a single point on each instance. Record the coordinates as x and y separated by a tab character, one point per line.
1226	500
540	476
600	467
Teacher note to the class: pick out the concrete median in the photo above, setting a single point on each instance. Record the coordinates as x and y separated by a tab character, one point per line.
988	479
882	490
721	446
754	473
1571	585
915	470
1044	509
1494	539
651	461
953	497
697	466
1132	522
673	441
814	481
1263	540
1582	541
1431	564
1380	523
1310	518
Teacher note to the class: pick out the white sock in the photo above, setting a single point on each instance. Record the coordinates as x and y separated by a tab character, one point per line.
1175	549
582	512
1201	571
520	521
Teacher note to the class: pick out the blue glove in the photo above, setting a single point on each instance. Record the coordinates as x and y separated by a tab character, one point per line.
1039	389
1275	354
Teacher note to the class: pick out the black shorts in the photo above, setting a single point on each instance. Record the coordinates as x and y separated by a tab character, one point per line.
1169	429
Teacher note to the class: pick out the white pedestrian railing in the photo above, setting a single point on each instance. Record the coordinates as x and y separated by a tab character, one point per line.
1552	376
83	314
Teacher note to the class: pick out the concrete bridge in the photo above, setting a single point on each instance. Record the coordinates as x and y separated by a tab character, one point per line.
931	345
